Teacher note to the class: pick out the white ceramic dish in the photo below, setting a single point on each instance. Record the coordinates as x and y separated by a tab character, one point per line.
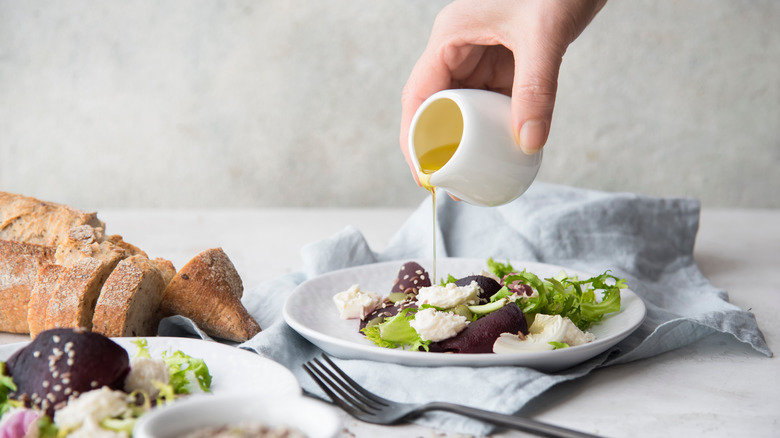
315	419
310	311
232	369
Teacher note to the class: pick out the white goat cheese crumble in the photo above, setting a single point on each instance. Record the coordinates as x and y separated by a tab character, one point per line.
545	329
90	408
355	303
143	373
433	325
449	296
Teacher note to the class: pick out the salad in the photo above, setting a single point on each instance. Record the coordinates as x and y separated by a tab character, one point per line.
500	310
75	383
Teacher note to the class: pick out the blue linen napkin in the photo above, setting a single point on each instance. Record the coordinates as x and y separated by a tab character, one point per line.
649	241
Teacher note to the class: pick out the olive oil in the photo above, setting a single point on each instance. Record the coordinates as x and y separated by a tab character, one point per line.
430	162
436	158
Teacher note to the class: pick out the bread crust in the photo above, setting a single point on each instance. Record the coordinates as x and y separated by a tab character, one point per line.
208	290
19	265
27	219
46	284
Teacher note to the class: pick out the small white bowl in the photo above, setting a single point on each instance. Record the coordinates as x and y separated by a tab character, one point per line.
313	418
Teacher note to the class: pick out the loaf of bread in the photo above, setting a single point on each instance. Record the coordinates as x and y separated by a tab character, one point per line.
208	290
58	268
30	220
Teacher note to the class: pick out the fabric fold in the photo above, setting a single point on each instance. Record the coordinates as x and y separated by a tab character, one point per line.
649	241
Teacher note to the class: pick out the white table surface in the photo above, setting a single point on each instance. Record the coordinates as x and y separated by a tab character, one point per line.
718	386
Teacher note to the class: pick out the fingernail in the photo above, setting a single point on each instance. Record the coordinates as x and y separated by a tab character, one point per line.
533	135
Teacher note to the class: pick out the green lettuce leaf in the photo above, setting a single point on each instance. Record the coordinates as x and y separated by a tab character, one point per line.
571	298
559	345
449	279
143	349
181	366
6	385
396	332
499	269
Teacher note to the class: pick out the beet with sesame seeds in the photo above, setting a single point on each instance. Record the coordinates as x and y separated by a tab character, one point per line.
411	277
61	363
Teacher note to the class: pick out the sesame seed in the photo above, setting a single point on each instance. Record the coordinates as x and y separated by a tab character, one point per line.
51	397
45	383
94	383
68	390
418	272
55	338
36	353
55	374
57	388
68	346
70	362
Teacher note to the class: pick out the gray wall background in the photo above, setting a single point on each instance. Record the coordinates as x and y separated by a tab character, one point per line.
208	104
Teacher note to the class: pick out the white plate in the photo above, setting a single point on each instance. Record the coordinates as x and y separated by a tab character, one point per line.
310	311
232	369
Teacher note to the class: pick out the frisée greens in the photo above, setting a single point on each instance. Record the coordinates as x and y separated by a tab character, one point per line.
563	295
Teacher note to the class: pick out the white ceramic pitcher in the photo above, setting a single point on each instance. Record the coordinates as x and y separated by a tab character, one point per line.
487	168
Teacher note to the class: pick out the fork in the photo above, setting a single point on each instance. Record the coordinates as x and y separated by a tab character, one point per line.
371	408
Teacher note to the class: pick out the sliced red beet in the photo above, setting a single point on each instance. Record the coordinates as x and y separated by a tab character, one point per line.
487	284
386	310
61	363
479	336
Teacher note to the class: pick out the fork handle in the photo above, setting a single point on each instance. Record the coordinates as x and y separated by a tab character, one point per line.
510	421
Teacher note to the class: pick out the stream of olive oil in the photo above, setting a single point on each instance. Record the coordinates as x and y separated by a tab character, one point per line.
430	162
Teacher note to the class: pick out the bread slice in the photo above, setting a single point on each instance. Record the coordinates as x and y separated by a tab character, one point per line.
166	268
73	302
31	220
129	301
46	284
208	290
19	265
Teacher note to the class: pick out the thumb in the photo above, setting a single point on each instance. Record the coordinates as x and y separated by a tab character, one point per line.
533	97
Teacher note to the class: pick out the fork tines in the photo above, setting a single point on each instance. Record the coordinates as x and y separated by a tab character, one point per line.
344	391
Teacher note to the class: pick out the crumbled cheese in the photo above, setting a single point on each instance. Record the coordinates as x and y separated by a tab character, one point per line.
575	336
143	373
545	329
565	330
92	406
355	303
450	295
434	325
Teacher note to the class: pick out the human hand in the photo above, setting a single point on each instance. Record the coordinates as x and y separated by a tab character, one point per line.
514	47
